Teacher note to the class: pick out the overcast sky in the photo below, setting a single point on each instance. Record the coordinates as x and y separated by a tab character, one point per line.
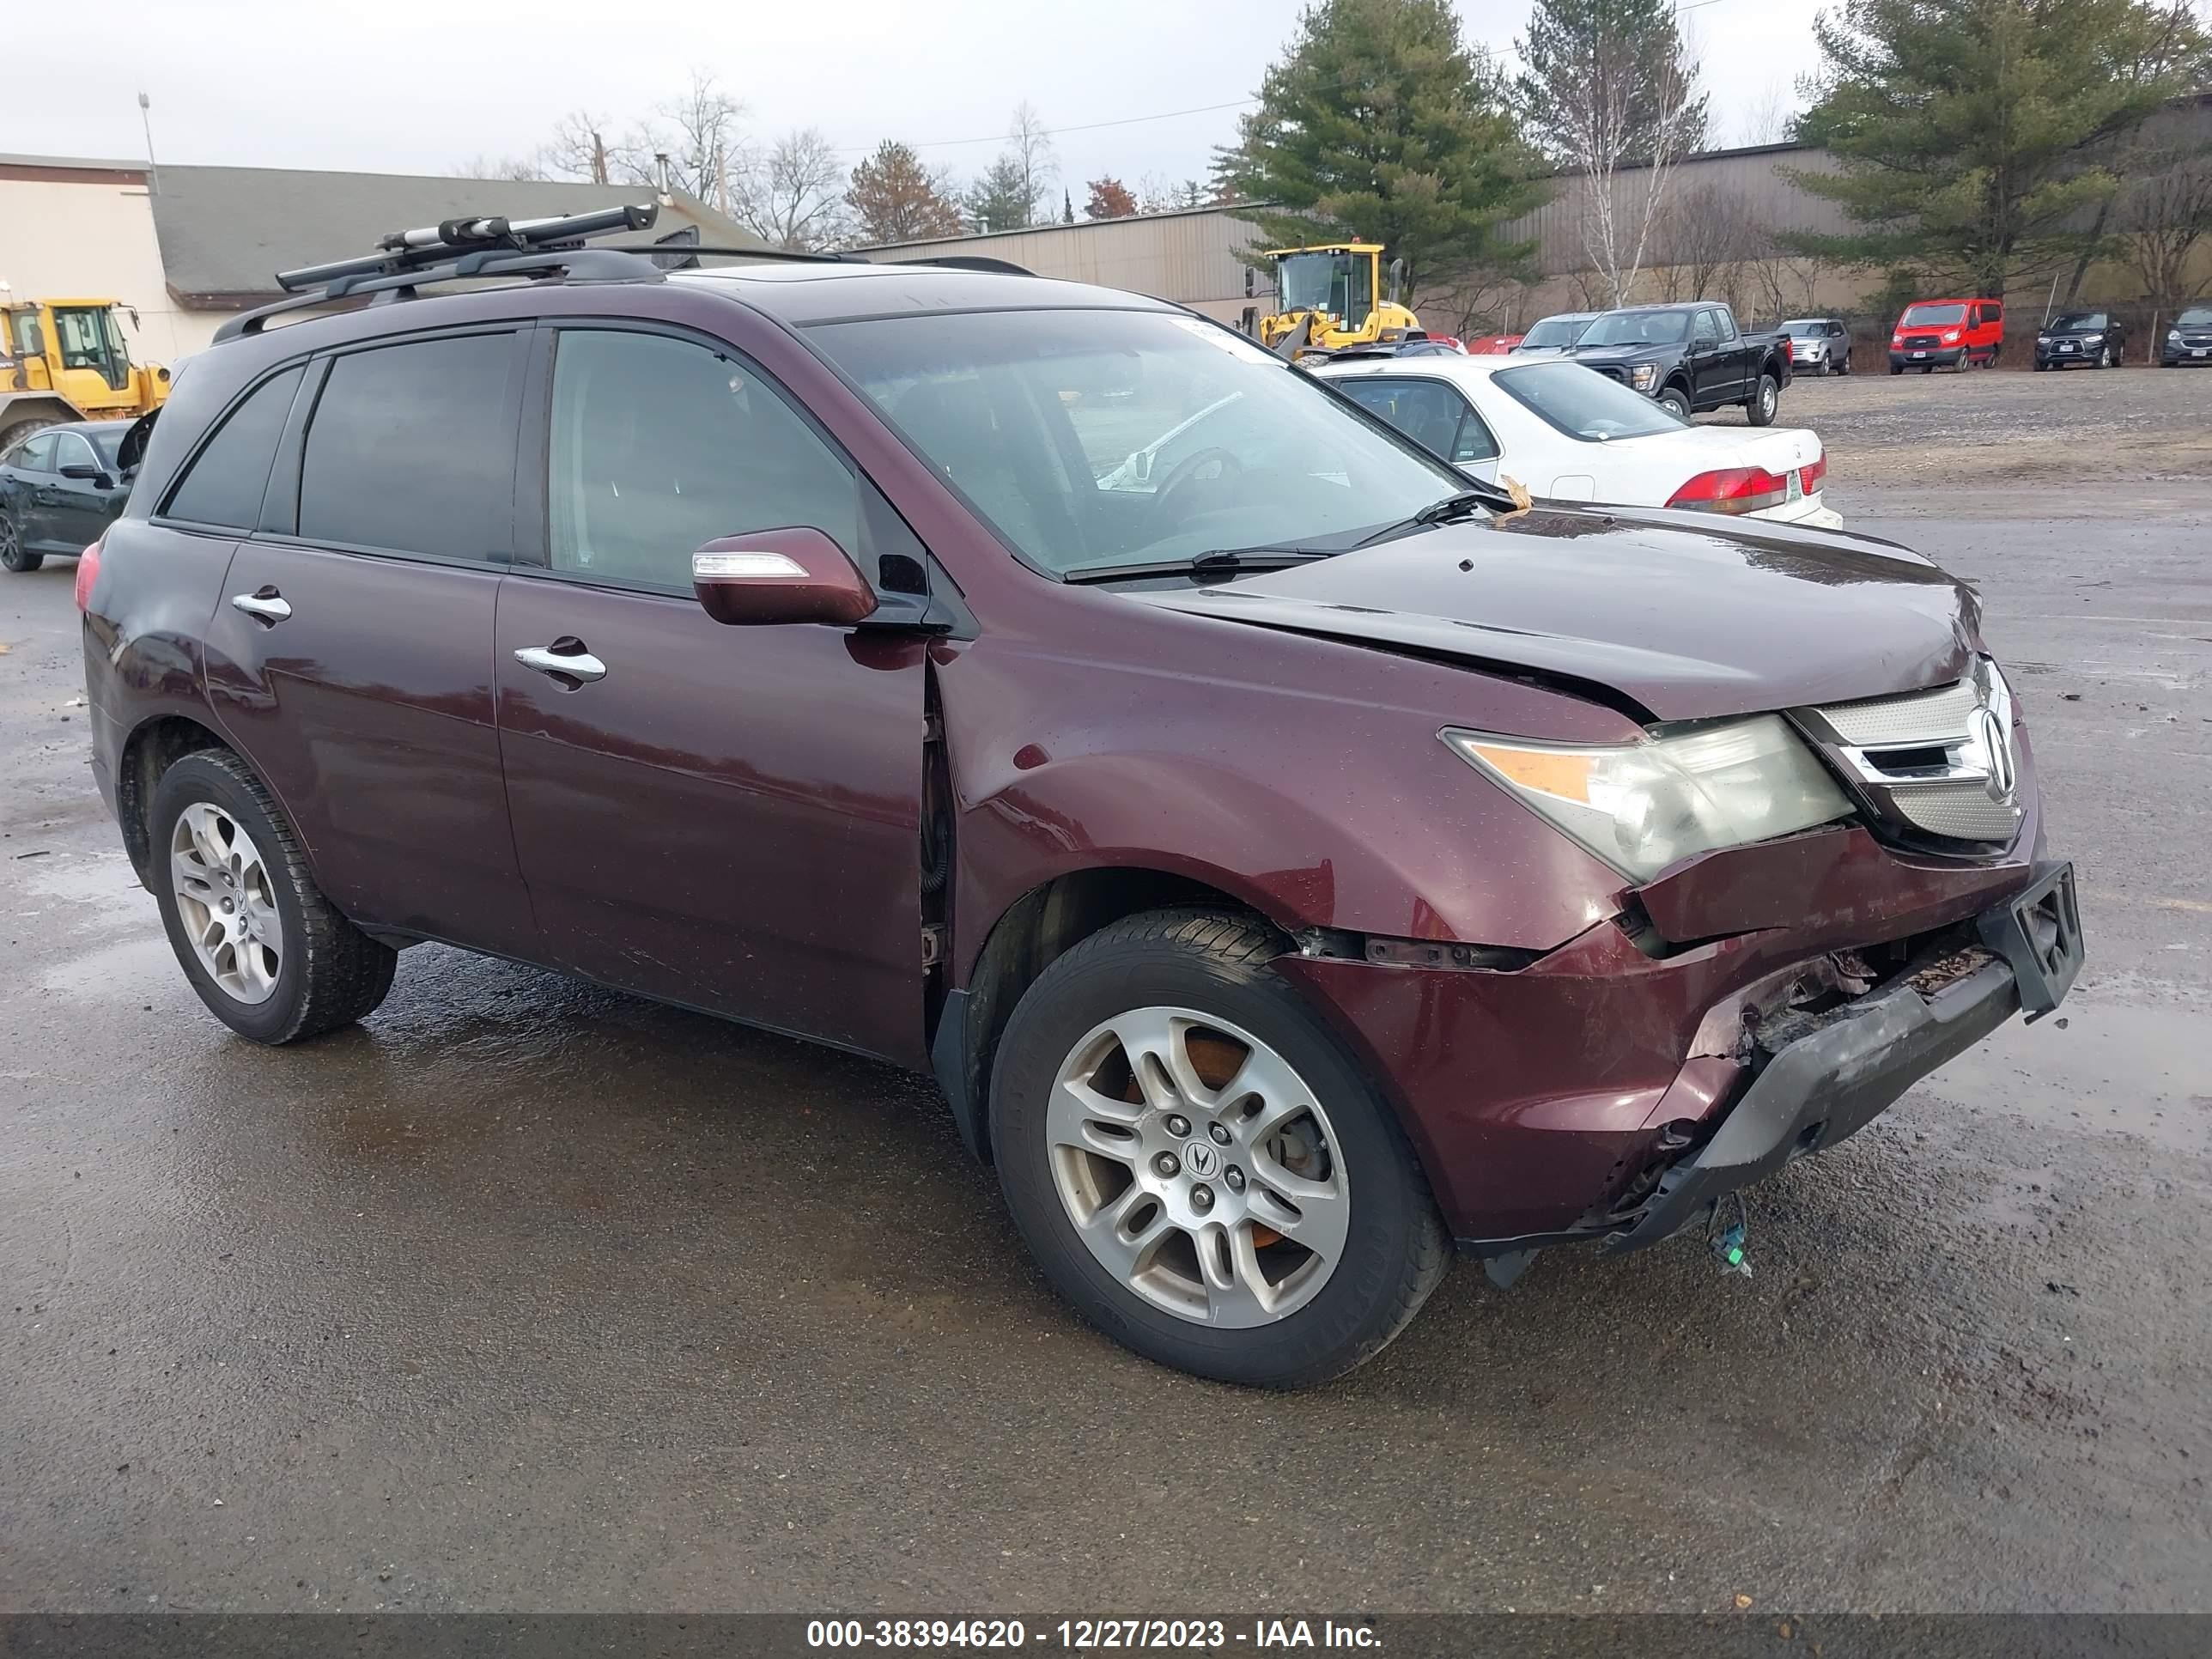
426	85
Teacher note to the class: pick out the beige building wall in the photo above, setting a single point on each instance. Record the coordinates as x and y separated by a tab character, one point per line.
87	232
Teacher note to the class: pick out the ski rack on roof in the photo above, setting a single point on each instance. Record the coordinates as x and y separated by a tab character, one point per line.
458	248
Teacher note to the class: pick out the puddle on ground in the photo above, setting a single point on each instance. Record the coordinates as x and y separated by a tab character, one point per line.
130	972
100	889
2141	1070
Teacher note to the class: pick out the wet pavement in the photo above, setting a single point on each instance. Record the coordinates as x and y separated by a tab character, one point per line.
527	1296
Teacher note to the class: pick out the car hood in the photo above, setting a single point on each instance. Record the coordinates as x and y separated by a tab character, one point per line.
1626	352
1680	618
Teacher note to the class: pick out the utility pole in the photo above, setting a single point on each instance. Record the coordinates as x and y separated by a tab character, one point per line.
146	120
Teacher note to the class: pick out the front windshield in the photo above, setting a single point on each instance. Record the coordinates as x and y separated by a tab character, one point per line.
2195	317
1638	328
1333	282
2092	321
1102	438
108	441
1555	331
1805	331
1932	316
1582	402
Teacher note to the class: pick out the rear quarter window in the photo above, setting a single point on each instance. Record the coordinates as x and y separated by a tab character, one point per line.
223	485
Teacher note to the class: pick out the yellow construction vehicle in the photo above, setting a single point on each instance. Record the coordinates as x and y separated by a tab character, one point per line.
1335	292
64	360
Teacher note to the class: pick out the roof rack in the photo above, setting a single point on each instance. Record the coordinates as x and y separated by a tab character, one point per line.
456	248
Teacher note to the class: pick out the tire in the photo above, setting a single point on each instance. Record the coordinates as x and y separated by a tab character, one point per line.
1674	398
2041	367
1765	403
1393	1249
1847	368
11	436
1896	368
13	554
1823	371
328	972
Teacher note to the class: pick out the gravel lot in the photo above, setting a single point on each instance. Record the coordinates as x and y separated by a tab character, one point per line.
2069	429
526	1296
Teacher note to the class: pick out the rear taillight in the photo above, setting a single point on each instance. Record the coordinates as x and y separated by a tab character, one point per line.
1812	472
87	573
1732	490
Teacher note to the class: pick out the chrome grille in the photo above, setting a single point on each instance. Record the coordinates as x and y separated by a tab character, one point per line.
1938	762
1916	717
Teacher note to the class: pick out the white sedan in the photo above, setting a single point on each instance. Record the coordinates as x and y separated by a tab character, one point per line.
1566	432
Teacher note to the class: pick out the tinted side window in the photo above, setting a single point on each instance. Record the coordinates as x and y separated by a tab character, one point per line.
35	454
1706	330
659	445
224	483
412	448
70	449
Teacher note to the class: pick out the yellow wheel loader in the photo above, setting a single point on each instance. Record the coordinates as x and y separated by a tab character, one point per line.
1333	291
64	360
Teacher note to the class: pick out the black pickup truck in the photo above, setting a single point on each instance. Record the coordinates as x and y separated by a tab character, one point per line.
1689	357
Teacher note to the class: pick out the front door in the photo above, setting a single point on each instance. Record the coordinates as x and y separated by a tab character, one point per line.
1713	367
349	656
81	506
724	817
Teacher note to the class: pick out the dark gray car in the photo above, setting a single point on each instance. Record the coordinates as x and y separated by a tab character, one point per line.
59	489
2094	338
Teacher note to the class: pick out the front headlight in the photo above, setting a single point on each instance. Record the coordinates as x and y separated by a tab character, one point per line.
2174	336
1643	374
1693	789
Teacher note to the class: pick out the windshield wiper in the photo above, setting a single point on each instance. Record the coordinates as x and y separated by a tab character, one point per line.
1201	564
1458	506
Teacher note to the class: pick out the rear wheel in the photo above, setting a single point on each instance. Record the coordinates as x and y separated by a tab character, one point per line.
1765	401
1197	1163
270	956
14	556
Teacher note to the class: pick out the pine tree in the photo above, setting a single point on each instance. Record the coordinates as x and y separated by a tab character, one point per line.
1377	122
895	199
1976	136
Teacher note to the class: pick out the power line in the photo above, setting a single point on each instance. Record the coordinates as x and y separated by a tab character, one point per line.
1477	50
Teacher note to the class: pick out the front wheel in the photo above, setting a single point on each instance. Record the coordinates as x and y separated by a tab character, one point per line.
1197	1163
14	556
1765	401
270	956
1674	401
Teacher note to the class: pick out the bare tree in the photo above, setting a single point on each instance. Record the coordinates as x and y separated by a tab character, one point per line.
795	195
524	168
1620	110
1704	233
695	143
2166	216
1029	147
1769	116
578	149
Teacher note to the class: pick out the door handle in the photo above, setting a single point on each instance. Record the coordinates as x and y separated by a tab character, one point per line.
574	662
263	603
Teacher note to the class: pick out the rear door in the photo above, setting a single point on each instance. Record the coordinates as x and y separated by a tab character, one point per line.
350	658
26	481
1434	413
724	817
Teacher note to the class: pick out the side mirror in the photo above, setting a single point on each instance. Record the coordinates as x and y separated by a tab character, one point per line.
797	575
85	472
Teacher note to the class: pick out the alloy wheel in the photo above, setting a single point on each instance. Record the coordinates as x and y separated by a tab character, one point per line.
1198	1167
227	903
11	546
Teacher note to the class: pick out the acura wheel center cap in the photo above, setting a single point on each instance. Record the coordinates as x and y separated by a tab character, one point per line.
1202	1158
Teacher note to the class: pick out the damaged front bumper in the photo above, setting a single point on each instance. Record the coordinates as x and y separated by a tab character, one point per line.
1821	1077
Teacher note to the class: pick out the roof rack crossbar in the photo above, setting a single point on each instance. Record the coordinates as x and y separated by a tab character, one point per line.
450	238
671	255
577	265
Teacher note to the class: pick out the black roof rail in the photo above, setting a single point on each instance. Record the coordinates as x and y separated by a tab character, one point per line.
458	248
971	261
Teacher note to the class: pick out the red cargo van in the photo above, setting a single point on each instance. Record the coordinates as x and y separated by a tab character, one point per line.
1956	333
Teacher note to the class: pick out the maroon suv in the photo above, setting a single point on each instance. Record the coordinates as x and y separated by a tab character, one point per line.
1289	858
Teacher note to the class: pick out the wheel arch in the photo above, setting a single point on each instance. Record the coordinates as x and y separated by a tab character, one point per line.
155	744
1027	936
